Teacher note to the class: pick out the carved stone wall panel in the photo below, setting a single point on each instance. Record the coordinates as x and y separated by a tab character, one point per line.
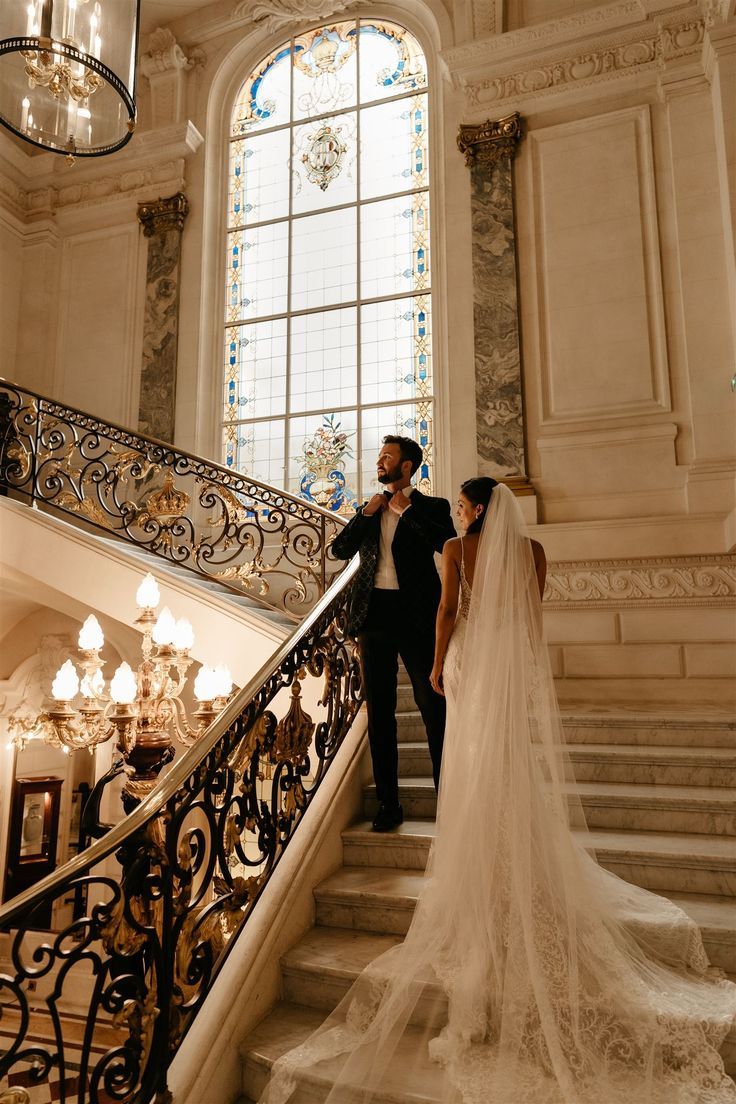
599	300
163	222
708	581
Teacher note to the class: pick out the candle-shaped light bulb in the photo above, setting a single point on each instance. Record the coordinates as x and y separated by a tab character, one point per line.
164	629
92	31
223	681
123	686
90	635
66	683
183	635
148	595
92	685
31	24
25	104
205	684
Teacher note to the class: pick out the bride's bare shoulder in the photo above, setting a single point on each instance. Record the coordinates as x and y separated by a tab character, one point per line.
451	547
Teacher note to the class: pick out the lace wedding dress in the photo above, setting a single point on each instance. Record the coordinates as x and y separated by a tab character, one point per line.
529	975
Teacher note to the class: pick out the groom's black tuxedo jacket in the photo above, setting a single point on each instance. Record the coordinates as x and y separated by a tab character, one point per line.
421	531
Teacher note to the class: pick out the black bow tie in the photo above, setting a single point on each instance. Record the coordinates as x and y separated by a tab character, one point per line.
388	494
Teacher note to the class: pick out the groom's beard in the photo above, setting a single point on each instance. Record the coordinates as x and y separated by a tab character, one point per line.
391	476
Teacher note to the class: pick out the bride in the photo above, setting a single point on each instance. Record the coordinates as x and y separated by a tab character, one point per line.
529	974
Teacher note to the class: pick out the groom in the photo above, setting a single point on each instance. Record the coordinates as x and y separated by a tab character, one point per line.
393	609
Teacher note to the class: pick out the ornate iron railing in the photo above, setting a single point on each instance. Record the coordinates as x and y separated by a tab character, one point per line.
97	1008
265	543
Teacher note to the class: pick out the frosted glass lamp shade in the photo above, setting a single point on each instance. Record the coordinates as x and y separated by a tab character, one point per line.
67	73
123	685
148	595
90	636
205	684
165	628
66	684
183	635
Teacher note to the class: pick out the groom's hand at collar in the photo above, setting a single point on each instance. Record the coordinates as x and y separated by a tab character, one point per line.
399	502
375	505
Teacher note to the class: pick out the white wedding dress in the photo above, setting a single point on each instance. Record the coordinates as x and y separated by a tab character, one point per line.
529	975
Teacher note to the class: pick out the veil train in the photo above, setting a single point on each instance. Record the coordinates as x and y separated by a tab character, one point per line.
529	974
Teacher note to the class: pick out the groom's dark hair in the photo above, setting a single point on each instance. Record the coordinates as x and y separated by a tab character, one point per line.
408	450
478	491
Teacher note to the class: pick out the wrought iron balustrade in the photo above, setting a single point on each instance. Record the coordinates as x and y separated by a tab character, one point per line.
169	889
255	539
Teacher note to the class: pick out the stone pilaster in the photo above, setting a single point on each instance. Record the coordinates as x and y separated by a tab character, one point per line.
489	149
162	222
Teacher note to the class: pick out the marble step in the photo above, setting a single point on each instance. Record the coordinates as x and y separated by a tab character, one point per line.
695	732
674	766
662	861
411	1078
706	810
378	902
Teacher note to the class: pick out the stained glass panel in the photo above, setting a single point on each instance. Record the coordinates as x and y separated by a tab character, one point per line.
259	451
257	271
323	460
325	70
324	359
325	354
259	182
396	350
394	252
264	100
323	256
393	147
255	383
324	163
391	61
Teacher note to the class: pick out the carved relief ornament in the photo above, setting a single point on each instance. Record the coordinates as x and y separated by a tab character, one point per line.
163	215
682	581
276	14
485	142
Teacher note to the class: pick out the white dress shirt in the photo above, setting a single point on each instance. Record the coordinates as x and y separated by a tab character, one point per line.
385	577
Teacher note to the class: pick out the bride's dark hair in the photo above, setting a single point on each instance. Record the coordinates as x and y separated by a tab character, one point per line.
478	491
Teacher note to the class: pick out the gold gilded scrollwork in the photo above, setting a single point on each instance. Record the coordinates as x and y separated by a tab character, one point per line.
294	731
15	1096
168	504
486	142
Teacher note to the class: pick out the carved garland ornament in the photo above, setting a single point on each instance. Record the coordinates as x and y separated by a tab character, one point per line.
601	61
690	581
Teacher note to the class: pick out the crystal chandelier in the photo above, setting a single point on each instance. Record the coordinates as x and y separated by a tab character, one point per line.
67	73
142	708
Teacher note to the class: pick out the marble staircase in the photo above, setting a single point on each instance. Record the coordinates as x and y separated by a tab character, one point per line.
659	796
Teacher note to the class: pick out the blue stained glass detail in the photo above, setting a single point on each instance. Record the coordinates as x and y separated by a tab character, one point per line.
407	274
408	379
238	170
422	331
406	213
231	385
407	316
425	471
229	460
422	358
422	316
248	208
242	401
248	153
231	400
406	172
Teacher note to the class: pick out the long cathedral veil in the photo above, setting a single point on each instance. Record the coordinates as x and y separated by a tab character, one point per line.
528	972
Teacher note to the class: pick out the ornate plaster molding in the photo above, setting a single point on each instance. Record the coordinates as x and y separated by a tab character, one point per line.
663	582
488	141
275	14
652	46
164	54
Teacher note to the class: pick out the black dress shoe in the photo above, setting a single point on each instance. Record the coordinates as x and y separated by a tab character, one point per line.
388	817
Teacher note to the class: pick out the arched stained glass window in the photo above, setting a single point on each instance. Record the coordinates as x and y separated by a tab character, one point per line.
327	319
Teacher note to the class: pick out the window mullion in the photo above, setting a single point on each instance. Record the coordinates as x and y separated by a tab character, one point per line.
358	280
287	395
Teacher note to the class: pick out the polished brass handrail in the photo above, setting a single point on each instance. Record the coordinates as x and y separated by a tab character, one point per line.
268	544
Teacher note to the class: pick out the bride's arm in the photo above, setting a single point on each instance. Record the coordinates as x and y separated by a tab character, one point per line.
540	566
447	611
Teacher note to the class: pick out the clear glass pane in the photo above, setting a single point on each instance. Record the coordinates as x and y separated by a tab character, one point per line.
255	370
323	465
323	259
325	70
259	451
264	98
324	360
393	147
408	420
394	251
391	61
396	347
257	270
259	178
324	163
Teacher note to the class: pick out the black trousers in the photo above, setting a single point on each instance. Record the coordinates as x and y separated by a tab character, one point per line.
384	637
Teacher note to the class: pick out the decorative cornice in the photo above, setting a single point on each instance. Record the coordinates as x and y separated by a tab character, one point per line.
626	584
487	142
650	46
275	14
163	214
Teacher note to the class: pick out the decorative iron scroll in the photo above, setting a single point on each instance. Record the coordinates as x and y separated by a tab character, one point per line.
194	858
255	539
